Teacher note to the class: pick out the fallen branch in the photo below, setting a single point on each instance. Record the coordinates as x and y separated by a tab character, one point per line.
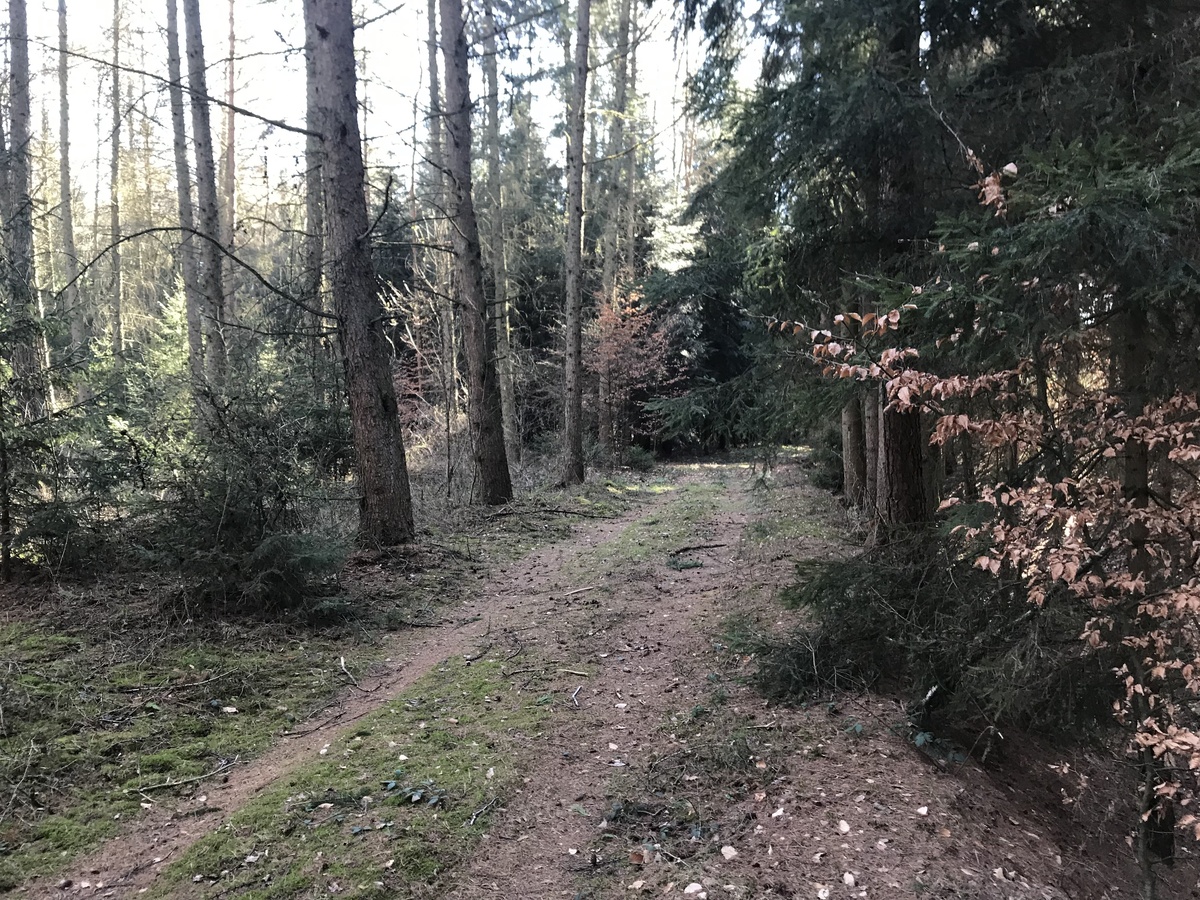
353	680
696	547
224	767
575	695
581	590
479	812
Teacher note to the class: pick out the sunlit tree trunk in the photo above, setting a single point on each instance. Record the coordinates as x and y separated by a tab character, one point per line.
27	354
72	298
573	471
483	396
208	221
183	180
386	505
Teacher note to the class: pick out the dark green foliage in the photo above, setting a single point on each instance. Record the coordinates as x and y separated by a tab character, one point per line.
915	616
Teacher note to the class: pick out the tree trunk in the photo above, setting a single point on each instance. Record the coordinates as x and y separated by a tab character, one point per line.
208	224
610	264
499	249
26	354
573	472
437	161
187	223
385	512
314	209
114	196
854	458
483	396
901	501
870	417
72	299
228	207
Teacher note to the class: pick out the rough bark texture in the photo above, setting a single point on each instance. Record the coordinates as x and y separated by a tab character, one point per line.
386	504
483	396
901	500
854	458
573	471
208	220
187	220
72	300
502	314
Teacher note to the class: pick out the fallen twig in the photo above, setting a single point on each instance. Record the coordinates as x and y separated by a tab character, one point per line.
575	695
581	590
576	672
479	812
696	547
353	680
168	783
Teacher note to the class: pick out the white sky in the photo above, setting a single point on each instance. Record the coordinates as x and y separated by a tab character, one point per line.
270	78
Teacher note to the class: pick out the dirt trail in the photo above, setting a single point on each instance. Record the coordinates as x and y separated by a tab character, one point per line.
663	772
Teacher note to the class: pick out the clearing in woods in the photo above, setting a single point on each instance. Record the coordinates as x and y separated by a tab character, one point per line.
580	727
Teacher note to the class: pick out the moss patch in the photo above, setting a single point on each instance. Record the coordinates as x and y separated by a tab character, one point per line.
94	726
387	810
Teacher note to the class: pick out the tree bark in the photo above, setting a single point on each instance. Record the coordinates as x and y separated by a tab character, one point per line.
208	224
72	299
573	470
610	264
854	457
26	355
187	222
314	208
870	417
902	498
385	511
483	396
114	196
228	207
499	247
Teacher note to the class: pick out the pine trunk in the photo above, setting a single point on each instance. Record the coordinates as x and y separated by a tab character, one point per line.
314	209
114	196
208	223
854	456
502	314
483	396
573	470
228	208
72	299
187	221
902	500
385	511
27	354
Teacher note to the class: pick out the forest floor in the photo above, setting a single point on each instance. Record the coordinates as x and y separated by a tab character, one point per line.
569	721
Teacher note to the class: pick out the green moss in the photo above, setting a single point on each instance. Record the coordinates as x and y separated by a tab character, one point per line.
400	801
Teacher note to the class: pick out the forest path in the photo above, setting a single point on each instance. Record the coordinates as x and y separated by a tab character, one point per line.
534	601
656	767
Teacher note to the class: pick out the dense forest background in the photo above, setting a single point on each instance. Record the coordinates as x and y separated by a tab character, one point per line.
952	245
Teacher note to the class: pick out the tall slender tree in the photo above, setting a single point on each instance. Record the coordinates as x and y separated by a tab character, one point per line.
483	395
114	195
385	510
573	469
208	218
72	297
187	220
498	241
